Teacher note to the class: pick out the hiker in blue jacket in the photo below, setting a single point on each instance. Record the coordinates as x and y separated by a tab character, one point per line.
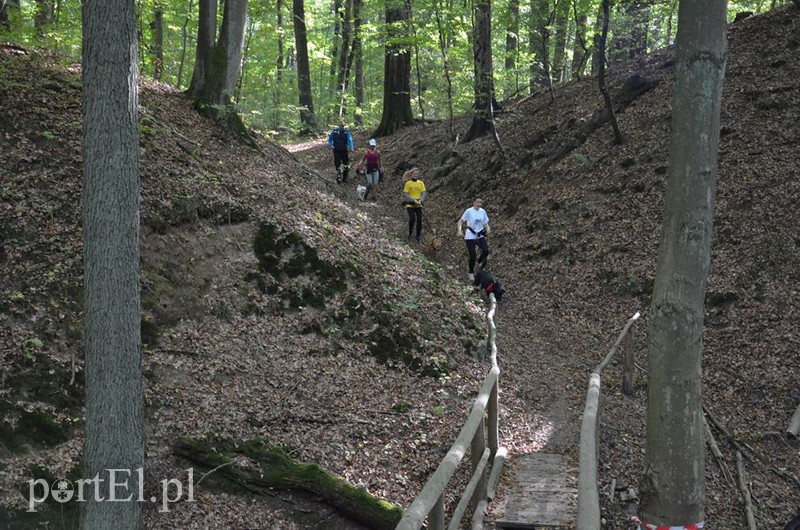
341	142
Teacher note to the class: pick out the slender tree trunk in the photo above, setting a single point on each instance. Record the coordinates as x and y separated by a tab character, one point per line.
43	16
279	66
639	16
560	41
597	57
243	76
512	45
9	14
158	41
303	70
601	78
673	485
358	58
541	20
206	33
420	86
397	70
580	55
344	49
338	16
482	119
344	55
112	317
184	38
446	68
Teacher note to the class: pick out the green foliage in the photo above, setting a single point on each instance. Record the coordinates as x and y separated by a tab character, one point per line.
31	346
267	98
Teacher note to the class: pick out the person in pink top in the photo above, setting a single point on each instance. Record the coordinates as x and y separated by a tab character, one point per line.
372	167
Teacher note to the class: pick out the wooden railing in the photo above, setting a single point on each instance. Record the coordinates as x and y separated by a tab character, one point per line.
429	504
588	493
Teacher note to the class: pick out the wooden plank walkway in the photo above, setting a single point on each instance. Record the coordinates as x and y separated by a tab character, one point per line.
538	494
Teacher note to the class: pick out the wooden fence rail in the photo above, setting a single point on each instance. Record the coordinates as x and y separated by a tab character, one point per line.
588	493
481	436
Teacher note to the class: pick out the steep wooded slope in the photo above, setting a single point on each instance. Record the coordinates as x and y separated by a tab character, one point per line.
576	223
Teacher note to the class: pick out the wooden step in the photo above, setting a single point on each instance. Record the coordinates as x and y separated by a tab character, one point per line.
538	492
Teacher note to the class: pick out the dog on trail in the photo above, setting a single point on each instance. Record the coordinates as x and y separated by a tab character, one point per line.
485	280
361	192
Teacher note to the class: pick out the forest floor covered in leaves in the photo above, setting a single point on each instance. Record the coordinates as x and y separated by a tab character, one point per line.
353	349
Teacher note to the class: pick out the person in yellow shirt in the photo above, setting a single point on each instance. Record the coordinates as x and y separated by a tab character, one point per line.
414	195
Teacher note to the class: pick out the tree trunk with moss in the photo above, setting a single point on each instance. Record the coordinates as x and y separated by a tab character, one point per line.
219	65
673	485
275	469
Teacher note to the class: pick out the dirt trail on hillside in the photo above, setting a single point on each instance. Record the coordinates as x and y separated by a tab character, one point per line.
533	348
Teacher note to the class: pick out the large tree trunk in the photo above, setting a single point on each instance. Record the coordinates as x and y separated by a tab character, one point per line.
673	485
397	70
112	318
206	33
226	56
303	69
482	119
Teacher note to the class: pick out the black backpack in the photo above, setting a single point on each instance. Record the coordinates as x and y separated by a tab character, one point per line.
340	139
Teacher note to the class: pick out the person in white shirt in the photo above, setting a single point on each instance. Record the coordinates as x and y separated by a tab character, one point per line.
477	228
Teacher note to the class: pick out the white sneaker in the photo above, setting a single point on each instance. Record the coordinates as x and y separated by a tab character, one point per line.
470	277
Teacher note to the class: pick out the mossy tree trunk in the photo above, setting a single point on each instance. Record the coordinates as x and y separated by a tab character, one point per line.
274	469
218	65
673	486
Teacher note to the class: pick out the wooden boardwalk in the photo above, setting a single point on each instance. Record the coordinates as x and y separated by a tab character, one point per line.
537	494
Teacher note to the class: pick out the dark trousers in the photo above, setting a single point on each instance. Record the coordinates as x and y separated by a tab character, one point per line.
481	243
341	157
414	217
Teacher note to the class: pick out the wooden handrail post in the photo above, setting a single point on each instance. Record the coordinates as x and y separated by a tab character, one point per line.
628	366
476	448
436	517
494	433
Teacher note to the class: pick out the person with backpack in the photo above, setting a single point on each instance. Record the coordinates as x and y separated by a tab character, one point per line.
477	224
341	142
372	164
414	194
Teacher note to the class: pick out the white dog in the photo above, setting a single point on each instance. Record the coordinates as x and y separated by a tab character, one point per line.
361	192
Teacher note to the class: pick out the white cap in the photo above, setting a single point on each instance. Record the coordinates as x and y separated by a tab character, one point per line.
373	142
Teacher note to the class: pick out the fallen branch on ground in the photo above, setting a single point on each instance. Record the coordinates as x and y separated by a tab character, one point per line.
270	467
748	505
